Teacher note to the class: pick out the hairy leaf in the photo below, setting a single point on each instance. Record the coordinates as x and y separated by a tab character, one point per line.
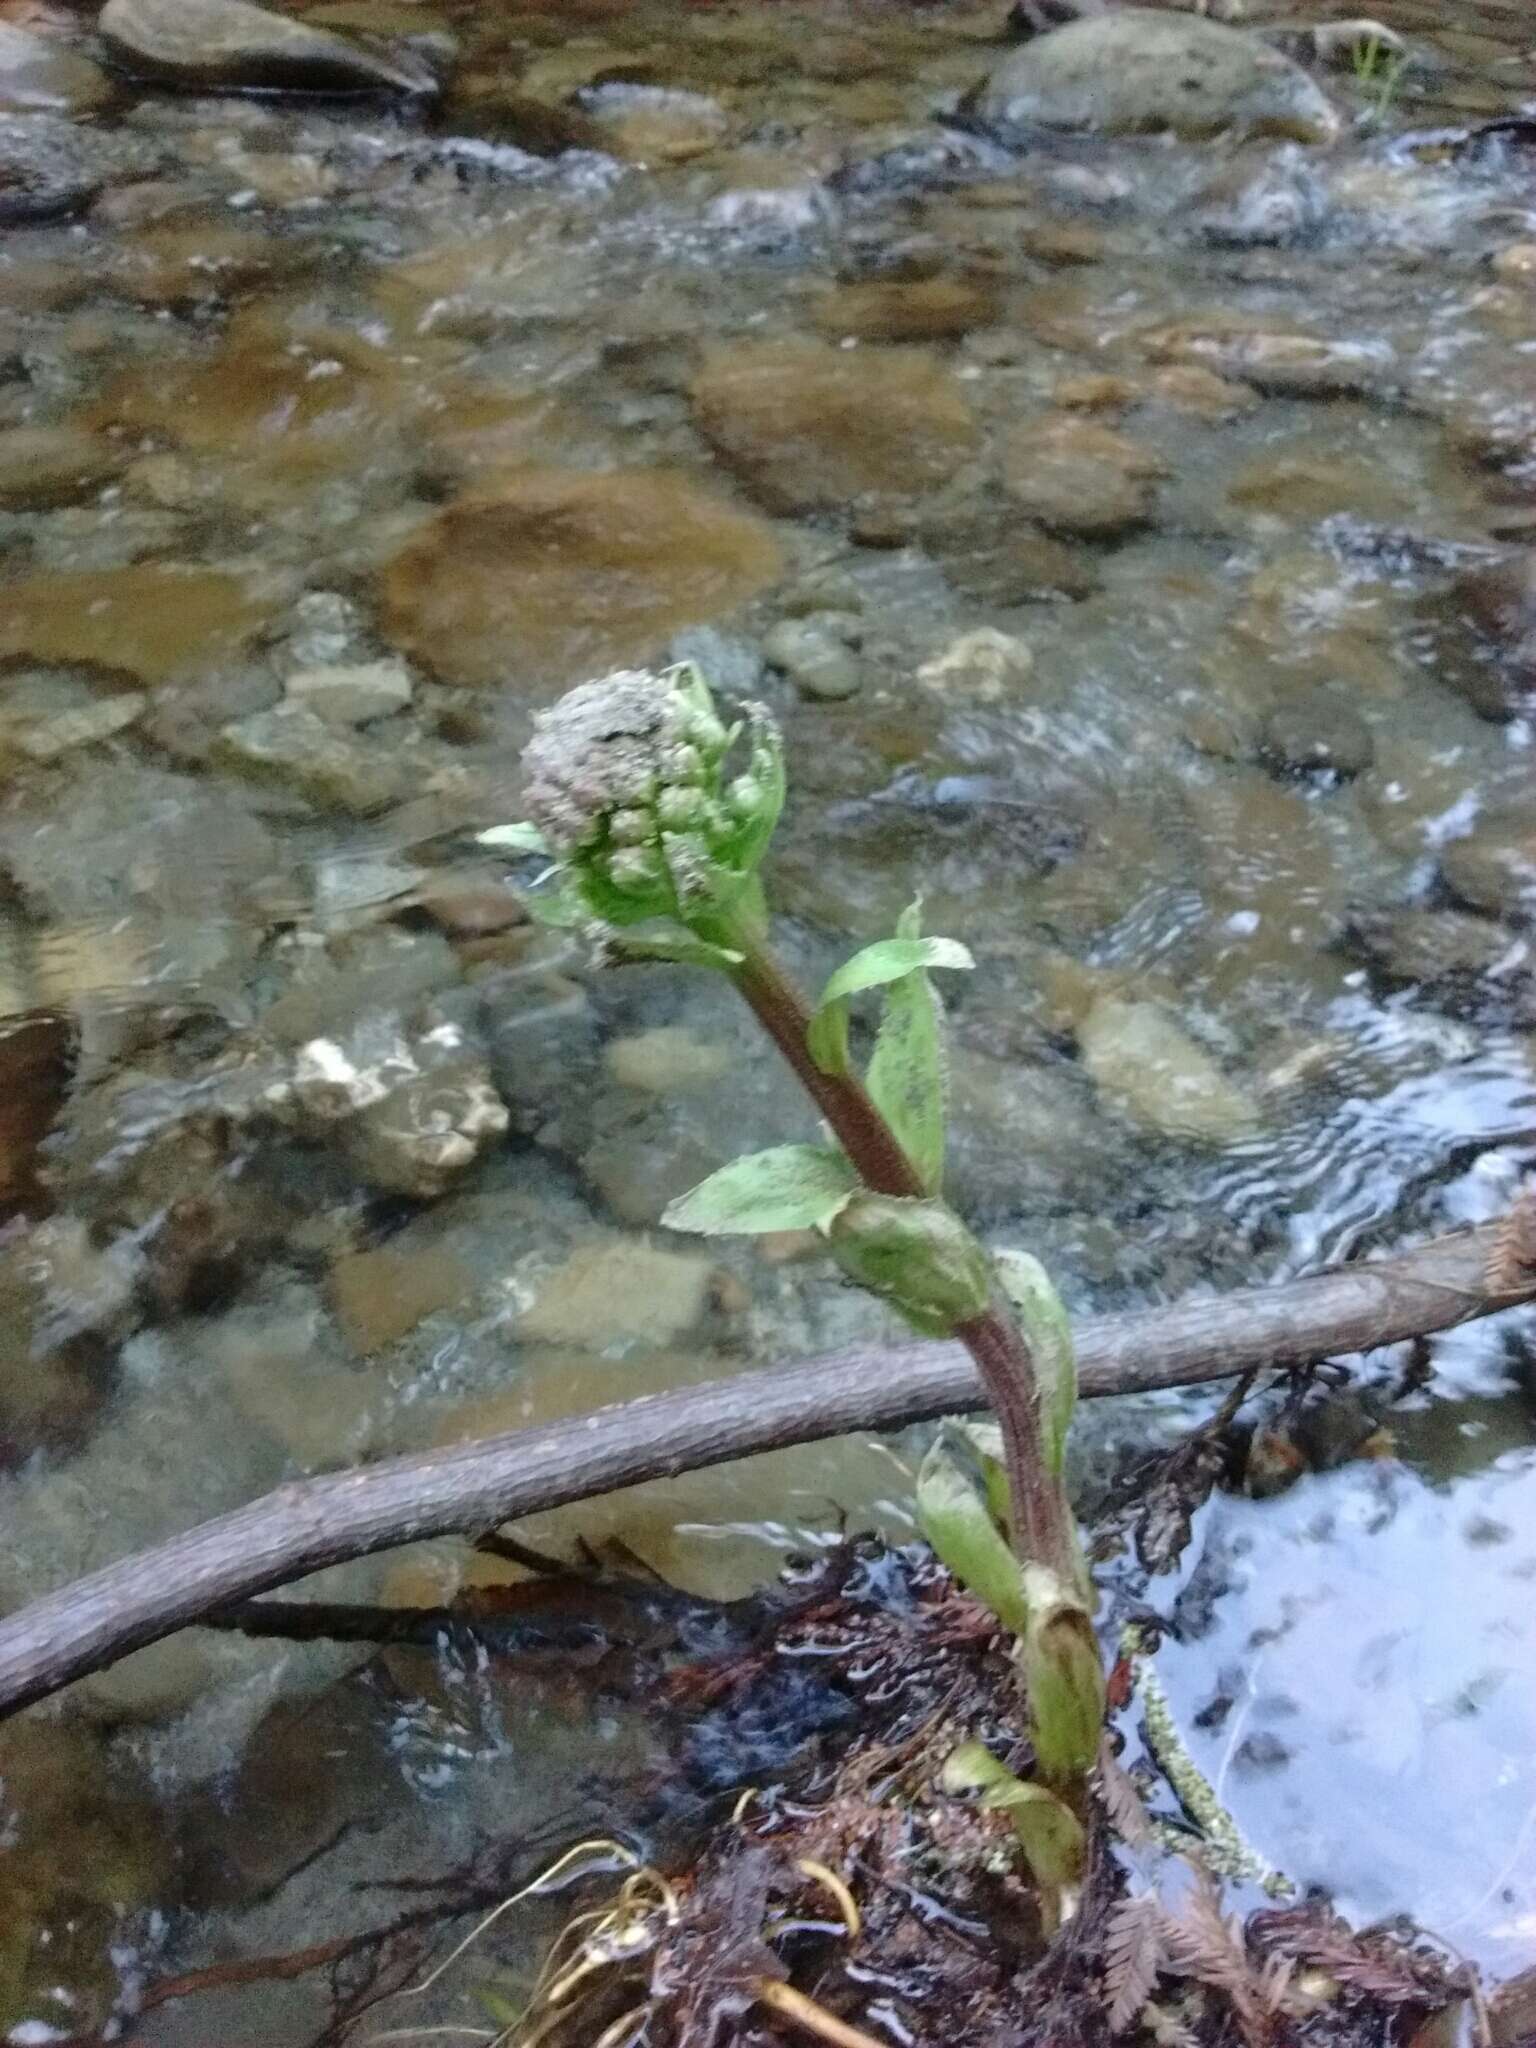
908	1074
886	961
954	1517
788	1187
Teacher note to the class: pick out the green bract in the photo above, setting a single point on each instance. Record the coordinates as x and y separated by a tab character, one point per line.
638	791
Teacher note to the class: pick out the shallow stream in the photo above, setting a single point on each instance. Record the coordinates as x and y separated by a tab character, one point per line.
1111	524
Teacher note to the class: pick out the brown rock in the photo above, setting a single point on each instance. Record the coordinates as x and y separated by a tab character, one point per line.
35	1064
1288	364
928	309
991	554
295	403
154	621
811	428
82	1845
41	467
619	1291
550	576
1078	477
1494	867
380	1296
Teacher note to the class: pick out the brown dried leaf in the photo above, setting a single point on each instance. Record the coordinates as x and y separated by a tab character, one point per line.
1511	1264
1133	1954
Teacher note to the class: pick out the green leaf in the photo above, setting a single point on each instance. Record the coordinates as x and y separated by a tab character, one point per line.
514	839
1049	1833
1045	1324
1063	1677
907	1073
679	946
887	960
957	1523
560	907
986	1440
789	1187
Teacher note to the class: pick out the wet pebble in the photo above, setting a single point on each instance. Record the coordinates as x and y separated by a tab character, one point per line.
618	1291
985	666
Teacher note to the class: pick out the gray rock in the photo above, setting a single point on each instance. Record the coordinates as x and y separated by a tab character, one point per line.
230	45
85	727
1138	70
293	746
815	657
39	74
43	176
352	695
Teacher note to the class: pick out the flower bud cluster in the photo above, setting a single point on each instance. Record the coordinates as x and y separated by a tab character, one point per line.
629	779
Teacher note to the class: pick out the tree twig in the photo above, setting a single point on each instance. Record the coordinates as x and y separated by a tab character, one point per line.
471	1488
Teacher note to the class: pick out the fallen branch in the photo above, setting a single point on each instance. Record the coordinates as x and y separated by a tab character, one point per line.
470	1488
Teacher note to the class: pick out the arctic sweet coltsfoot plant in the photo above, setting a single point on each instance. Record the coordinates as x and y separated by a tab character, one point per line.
653	816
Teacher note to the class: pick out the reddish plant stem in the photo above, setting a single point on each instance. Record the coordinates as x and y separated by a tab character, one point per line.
1043	1531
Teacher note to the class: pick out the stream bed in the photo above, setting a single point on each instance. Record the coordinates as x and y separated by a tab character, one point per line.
1135	538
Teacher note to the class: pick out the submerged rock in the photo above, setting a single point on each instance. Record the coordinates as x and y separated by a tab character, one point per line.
1147	1066
411	1109
810	428
549	576
37	72
1494	867
1080	478
1315	734
153	620
621	1291
64	1308
351	695
816	656
294	746
231	45
41	467
923	309
83	1848
1278	361
1138	70
984	666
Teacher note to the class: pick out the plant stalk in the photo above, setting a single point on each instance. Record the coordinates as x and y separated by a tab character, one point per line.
1042	1531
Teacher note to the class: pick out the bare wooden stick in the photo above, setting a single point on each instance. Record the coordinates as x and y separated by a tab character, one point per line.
472	1487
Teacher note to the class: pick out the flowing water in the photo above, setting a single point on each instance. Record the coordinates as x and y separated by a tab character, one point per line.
1109	522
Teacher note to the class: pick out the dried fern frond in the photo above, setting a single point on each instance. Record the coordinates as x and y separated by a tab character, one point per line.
1121	1800
1134	1947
